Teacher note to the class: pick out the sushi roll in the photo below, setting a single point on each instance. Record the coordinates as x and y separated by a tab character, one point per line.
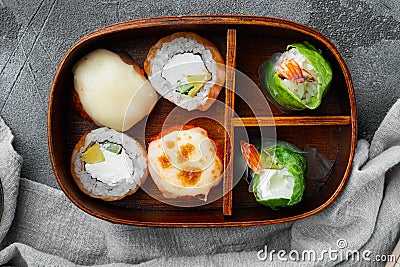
185	163
111	90
297	79
279	171
108	165
186	69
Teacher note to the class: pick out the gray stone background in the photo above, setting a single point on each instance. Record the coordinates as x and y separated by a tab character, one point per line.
34	35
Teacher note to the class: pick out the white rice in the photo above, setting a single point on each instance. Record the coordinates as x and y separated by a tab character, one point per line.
163	87
131	148
304	91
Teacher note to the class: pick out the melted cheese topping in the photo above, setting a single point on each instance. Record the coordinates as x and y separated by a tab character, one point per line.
115	168
185	163
111	91
275	184
180	66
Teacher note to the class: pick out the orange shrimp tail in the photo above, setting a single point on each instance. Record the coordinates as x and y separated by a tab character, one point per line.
251	156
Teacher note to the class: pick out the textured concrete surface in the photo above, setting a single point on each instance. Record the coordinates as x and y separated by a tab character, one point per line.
34	35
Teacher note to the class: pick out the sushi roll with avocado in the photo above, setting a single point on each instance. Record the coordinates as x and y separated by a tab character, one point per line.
279	171
108	165
186	69
297	79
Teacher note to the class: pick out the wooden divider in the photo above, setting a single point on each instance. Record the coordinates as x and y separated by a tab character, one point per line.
229	113
291	121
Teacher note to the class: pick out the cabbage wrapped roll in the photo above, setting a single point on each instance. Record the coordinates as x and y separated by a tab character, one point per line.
279	170
297	79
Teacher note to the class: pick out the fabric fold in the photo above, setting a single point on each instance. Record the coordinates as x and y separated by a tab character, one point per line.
10	168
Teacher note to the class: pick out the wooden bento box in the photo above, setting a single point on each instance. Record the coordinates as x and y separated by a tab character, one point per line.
247	41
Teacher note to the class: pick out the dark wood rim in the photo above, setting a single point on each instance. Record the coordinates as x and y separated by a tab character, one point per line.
206	20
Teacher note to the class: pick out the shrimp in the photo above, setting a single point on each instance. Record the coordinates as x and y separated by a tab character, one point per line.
290	69
251	156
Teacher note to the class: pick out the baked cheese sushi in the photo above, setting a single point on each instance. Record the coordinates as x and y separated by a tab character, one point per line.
111	90
185	163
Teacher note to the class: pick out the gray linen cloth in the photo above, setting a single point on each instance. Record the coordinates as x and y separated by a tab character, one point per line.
46	229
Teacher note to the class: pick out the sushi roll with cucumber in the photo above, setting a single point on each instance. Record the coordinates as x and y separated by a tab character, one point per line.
108	165
297	79
186	69
279	171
